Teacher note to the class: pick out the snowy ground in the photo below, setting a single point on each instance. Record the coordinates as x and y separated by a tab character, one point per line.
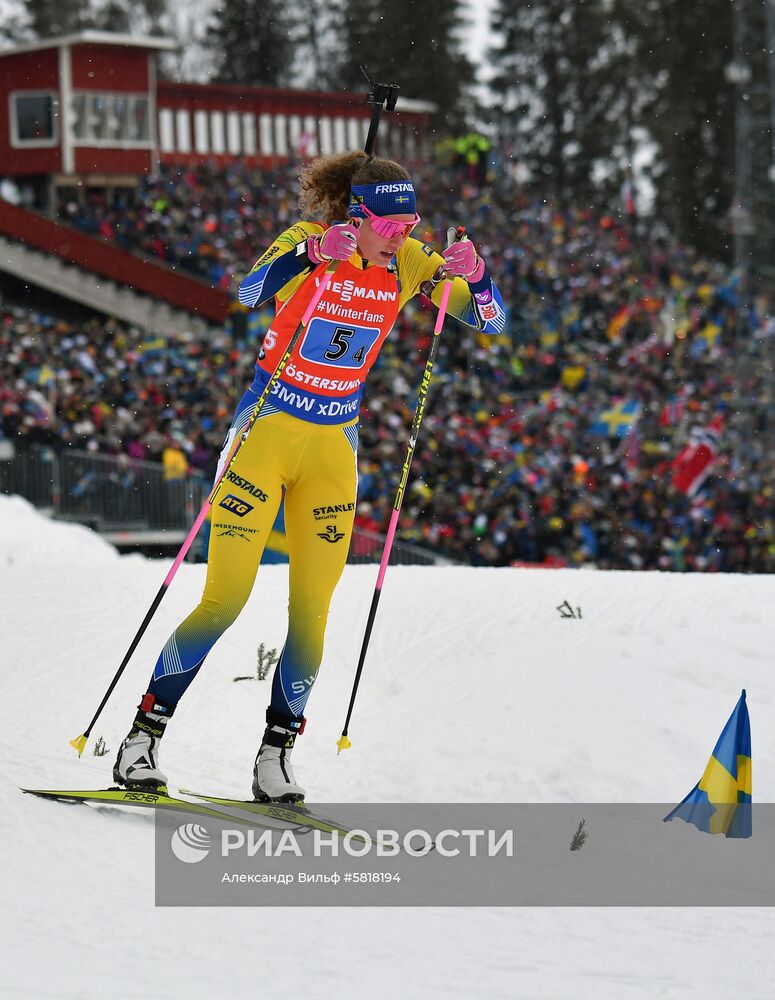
475	690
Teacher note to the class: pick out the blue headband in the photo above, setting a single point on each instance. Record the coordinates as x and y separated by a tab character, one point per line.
383	198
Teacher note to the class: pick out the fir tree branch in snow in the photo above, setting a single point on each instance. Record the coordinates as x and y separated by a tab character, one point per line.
266	659
579	837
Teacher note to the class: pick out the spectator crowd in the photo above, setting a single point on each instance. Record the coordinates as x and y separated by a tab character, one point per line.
553	443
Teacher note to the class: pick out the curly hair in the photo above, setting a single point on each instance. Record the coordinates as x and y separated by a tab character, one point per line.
324	185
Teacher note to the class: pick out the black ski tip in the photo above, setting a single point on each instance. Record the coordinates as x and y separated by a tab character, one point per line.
43	793
83	795
53	795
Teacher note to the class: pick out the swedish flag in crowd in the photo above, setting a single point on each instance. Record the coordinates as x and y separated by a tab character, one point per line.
617	421
720	802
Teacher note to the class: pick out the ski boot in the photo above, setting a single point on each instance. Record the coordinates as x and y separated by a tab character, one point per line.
273	779
137	764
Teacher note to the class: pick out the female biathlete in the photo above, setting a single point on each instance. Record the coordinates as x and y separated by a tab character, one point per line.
302	447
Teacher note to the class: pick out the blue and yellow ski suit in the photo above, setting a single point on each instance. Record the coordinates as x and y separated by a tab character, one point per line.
303	448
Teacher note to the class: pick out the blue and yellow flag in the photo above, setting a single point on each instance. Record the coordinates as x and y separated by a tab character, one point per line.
720	802
617	421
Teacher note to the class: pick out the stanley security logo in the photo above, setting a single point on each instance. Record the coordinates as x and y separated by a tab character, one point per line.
329	512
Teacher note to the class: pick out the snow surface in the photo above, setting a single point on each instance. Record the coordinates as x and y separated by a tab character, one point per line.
475	689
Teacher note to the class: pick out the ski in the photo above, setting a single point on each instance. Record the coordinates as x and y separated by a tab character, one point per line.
294	815
136	798
287	816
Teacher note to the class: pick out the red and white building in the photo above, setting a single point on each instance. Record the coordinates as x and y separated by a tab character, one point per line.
90	108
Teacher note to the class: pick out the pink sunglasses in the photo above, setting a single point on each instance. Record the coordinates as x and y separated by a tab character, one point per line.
387	228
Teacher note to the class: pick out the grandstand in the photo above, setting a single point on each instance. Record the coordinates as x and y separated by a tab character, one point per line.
560	443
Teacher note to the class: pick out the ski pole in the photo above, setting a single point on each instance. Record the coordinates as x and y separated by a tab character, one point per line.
378	95
343	743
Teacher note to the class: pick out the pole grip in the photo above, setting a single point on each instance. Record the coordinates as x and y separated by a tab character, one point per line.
379	94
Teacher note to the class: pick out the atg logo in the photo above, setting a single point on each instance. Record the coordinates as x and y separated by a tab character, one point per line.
235	505
190	843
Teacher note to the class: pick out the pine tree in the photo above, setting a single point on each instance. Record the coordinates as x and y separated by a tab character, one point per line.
580	86
50	18
253	42
625	90
317	30
418	47
14	25
550	66
690	116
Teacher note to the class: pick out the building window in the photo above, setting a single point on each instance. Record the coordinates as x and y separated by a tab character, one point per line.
340	136
281	135
265	134
183	130
34	119
166	131
139	120
116	120
249	133
326	137
294	132
308	144
119	118
217	132
97	117
233	133
201	132
78	117
354	131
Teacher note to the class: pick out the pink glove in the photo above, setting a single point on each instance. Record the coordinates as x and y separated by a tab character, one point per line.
461	259
339	242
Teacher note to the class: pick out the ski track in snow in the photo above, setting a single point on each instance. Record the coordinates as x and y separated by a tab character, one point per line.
475	689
